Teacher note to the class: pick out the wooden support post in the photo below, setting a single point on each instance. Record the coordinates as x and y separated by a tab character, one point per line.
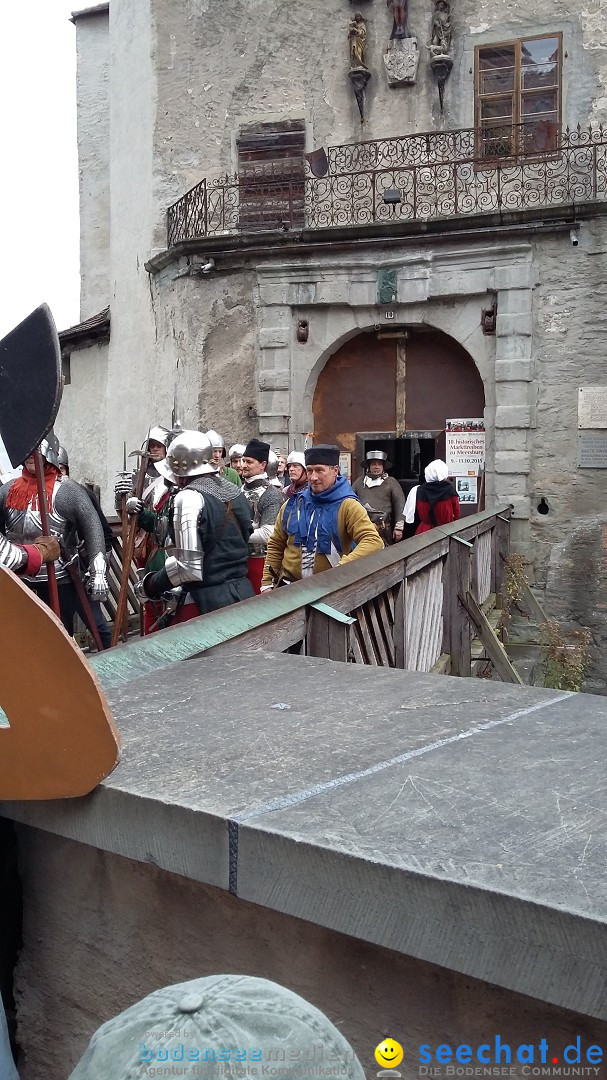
457	625
495	650
400	626
328	633
501	547
401	402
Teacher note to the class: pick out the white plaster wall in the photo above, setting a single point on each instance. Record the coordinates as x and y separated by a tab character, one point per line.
132	386
93	46
82	418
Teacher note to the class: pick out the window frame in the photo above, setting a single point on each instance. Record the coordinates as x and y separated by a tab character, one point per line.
517	95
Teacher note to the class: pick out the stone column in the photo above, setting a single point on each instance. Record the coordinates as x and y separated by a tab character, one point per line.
515	391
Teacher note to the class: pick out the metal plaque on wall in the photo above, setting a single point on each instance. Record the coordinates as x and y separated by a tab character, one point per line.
592	450
592	407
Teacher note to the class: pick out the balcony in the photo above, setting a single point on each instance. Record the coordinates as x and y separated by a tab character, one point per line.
413	178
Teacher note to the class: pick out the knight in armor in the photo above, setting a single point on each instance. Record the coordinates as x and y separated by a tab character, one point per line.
264	500
272	471
236	452
70	515
28	558
382	493
154	487
207	546
217	441
152	515
298	476
105	634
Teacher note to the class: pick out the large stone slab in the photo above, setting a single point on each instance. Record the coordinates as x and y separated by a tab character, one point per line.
458	821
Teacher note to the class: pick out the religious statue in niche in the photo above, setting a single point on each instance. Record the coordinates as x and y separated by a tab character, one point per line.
402	58
441	29
358	74
441	58
357	36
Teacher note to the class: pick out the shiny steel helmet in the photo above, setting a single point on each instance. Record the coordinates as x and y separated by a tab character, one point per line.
375	455
216	440
49	448
272	466
158	434
237	450
190	454
63	458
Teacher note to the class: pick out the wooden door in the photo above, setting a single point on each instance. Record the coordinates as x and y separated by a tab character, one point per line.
356	391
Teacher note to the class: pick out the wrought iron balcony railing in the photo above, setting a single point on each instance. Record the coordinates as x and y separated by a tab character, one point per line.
412	178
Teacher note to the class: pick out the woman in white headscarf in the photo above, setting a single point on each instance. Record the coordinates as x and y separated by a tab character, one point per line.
436	501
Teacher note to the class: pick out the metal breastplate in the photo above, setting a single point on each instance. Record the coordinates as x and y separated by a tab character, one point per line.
25	527
253	495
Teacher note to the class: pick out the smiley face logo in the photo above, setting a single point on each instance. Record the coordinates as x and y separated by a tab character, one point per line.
389	1053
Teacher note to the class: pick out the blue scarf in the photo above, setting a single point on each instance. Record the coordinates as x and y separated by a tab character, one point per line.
312	519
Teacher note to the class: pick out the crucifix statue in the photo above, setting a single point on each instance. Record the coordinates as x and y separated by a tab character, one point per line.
399	12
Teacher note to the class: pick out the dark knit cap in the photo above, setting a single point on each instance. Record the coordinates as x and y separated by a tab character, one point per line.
323	454
258	450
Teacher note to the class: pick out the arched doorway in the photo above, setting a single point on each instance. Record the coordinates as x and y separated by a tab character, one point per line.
395	390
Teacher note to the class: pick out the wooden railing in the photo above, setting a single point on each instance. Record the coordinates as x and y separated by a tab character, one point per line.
400	608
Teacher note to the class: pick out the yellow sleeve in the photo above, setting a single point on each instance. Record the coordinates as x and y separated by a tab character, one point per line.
275	551
360	530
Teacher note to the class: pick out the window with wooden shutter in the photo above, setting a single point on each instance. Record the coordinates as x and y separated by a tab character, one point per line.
271	175
518	96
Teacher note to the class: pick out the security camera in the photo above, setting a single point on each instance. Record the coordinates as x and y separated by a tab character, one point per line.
573	236
208	266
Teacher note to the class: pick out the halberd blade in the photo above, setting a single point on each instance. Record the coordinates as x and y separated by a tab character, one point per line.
30	383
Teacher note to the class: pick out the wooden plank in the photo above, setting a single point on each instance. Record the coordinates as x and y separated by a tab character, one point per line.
386	627
495	650
501	547
418	562
457	585
328	633
532	605
355	646
400	626
401	391
442	665
377	635
366	639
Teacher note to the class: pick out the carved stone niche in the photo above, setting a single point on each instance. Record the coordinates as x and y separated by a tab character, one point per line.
402	61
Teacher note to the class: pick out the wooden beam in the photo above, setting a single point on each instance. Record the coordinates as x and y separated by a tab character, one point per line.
401	393
501	546
532	605
400	627
328	633
457	625
495	649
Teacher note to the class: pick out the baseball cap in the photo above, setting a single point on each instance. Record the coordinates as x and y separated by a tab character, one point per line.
217	1027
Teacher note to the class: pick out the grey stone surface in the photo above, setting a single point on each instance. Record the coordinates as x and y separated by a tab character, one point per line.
459	821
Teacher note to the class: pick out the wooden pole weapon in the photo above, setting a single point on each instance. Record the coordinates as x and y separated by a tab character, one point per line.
128	550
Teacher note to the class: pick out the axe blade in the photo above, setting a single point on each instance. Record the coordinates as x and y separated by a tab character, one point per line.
30	383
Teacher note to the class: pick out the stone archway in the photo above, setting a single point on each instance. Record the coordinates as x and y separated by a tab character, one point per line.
412	380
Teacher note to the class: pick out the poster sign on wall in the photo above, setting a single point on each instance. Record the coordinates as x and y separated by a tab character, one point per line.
467	489
345	465
465	453
465	443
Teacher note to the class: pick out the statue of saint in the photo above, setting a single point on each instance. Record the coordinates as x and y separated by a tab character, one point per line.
441	28
399	12
357	37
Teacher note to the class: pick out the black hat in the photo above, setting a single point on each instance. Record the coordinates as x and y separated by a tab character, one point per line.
323	454
258	450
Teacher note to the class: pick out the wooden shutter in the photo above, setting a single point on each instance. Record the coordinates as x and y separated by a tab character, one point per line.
271	175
